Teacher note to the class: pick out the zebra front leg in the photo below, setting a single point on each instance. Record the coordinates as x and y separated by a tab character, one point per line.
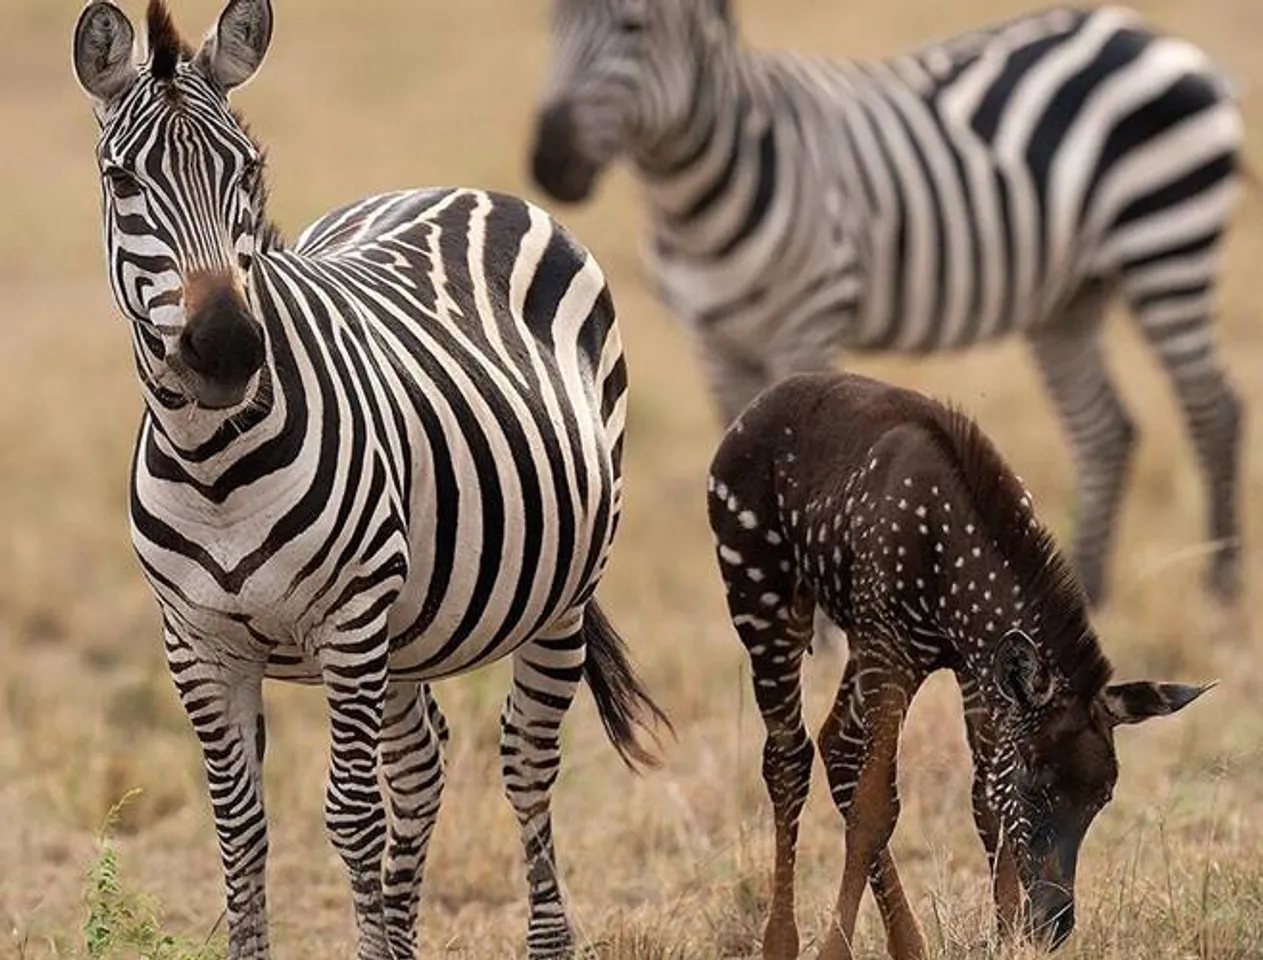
224	702
546	672
354	666
413	732
733	380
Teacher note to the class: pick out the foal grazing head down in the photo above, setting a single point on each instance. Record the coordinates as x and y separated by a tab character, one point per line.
898	518
182	194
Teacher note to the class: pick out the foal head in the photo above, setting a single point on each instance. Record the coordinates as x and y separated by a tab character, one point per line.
1053	768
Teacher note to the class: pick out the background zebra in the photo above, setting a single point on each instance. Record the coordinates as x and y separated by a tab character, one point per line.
1006	180
386	455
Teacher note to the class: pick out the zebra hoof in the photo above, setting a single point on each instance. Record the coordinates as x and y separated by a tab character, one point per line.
1223	579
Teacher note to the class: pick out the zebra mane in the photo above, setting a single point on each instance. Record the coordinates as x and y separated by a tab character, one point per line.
166	47
1002	506
268	236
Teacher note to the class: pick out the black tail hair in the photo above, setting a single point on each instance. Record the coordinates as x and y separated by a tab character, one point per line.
621	699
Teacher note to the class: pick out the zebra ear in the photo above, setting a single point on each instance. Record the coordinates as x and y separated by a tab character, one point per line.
1134	702
103	53
718	20
235	48
1021	673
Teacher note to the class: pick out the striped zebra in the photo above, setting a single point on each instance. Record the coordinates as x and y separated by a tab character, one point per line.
1008	180
387	454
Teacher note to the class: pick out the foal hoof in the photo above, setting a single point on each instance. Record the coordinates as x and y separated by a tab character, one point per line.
780	942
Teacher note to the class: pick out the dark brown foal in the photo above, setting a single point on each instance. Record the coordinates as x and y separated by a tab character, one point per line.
900	520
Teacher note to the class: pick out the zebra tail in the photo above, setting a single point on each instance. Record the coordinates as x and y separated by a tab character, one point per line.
621	699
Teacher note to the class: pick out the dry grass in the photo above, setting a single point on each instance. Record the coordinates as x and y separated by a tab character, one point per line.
384	93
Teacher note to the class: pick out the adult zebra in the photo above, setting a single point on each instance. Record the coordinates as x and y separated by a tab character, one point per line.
1010	180
384	456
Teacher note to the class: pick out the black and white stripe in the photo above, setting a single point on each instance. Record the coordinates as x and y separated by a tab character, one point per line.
419	475
1009	180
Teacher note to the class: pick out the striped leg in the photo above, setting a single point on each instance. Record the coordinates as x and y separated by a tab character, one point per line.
1005	885
1173	300
776	641
859	743
546	672
734	381
1100	431
413	734
224	701
354	668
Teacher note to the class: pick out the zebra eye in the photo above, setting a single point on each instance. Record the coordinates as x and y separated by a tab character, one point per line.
122	183
632	26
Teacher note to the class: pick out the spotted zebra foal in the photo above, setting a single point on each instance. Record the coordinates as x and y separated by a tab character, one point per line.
899	518
385	455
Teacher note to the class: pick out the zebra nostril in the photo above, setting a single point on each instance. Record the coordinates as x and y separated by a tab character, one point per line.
188	349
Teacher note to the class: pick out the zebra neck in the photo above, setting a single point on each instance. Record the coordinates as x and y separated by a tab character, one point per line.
199	446
703	174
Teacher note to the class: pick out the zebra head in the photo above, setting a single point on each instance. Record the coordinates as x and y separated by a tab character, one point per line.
182	194
626	78
1054	769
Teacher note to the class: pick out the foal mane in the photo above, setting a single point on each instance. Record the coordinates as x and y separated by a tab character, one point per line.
1002	506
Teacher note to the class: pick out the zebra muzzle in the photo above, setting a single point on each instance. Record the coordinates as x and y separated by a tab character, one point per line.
557	165
221	346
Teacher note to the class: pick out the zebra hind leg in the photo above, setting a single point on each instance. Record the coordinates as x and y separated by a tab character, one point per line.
546	672
1172	299
1100	431
413	735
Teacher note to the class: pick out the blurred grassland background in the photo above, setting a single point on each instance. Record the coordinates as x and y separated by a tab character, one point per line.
359	97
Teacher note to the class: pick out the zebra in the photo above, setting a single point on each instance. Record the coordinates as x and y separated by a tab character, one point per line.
900	518
385	455
1008	181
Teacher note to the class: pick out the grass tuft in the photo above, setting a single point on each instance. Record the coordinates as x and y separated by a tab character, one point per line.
122	923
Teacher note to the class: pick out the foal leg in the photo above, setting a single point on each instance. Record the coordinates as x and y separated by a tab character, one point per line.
412	767
776	652
546	672
1100	431
1005	885
859	743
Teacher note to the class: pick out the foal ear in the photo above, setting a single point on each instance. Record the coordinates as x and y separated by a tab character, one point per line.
234	49
103	53
1021	672
1134	702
